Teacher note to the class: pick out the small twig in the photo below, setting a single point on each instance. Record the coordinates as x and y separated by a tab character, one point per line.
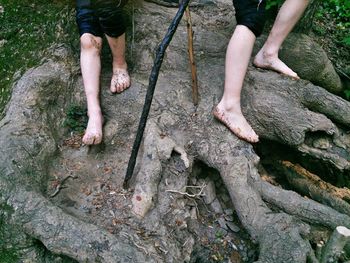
184	244
133	241
182	193
195	186
162	249
187	194
59	186
123	195
338	70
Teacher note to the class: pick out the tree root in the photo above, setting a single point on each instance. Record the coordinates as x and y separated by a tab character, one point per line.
27	144
58	231
304	208
335	245
157	148
177	135
312	186
274	231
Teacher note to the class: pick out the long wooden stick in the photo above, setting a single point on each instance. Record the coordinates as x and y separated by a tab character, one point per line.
191	57
151	87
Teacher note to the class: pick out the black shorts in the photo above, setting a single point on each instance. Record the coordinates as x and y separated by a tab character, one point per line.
251	13
98	19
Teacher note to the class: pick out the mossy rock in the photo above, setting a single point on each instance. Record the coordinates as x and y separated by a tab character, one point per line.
308	60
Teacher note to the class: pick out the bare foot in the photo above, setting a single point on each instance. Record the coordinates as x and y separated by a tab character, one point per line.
93	132
237	124
120	80
265	61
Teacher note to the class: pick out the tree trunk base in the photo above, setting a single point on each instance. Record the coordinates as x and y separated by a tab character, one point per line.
176	209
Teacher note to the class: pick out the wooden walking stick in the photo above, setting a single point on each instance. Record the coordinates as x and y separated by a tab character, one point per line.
191	57
151	87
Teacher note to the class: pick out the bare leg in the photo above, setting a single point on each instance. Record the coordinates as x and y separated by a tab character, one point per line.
120	79
287	17
228	110
91	67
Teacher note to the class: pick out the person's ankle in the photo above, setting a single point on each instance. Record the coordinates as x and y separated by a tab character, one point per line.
269	54
231	107
119	65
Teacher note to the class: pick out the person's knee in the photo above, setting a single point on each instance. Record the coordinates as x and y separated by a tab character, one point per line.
255	23
90	42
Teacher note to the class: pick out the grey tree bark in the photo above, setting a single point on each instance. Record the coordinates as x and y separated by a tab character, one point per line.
154	221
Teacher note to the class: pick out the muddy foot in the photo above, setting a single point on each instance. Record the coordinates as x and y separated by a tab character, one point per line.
265	61
120	80
237	124
93	132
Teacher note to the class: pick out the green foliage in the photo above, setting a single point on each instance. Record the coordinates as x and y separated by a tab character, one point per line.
336	10
346	41
273	3
339	12
347	94
27	28
76	118
339	9
219	234
8	256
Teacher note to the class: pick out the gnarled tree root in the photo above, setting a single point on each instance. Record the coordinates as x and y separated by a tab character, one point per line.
63	234
312	186
26	145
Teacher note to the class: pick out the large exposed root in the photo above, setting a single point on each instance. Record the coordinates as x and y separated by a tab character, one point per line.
157	148
312	186
27	143
306	209
279	109
273	230
59	232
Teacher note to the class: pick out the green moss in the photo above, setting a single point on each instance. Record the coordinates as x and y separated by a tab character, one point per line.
16	246
76	118
27	28
8	256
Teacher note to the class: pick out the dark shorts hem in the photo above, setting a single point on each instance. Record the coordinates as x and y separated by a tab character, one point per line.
100	21
251	13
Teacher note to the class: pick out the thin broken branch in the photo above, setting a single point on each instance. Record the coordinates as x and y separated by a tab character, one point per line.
60	186
191	57
199	194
